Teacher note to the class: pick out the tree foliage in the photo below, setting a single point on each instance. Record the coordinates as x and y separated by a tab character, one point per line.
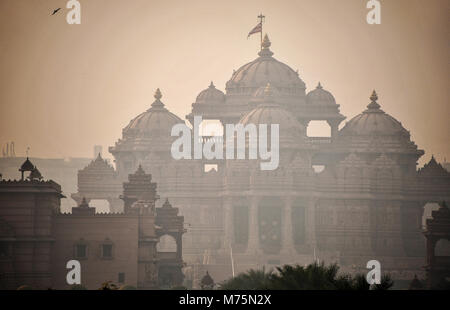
311	277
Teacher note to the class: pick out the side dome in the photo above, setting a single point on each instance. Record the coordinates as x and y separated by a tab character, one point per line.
320	96
265	69
374	121
376	131
211	95
156	121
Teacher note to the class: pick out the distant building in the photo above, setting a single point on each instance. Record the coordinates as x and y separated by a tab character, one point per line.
366	201
98	149
37	240
62	171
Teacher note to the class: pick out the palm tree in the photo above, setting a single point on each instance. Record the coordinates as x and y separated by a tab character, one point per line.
311	277
251	280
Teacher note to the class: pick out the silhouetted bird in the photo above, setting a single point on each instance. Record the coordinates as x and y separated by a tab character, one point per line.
56	11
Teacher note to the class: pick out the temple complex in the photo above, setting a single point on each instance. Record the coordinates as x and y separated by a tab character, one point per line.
366	202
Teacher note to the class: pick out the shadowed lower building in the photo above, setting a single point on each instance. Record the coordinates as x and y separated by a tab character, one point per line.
37	241
438	265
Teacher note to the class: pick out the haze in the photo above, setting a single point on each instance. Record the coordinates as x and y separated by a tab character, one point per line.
65	88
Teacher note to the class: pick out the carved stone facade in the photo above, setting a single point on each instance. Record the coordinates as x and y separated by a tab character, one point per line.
37	240
366	204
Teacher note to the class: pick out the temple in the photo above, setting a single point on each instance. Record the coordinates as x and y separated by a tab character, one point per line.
348	198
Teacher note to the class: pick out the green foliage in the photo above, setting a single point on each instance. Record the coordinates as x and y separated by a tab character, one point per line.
311	277
386	283
251	280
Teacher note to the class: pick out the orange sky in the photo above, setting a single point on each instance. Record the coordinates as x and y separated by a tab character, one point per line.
64	88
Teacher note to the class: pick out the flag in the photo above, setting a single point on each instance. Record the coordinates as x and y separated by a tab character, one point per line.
258	28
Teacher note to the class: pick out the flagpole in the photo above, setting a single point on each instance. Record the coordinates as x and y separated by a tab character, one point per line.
261	19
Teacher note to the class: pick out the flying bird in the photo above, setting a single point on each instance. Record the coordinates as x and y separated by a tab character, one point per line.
56	11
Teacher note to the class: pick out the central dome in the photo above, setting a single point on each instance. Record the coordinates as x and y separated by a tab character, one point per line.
265	69
268	112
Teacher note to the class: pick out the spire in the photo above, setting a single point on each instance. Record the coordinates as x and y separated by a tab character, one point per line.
167	204
157	103
373	105
99	157
84	203
319	86
139	170
266	42
265	45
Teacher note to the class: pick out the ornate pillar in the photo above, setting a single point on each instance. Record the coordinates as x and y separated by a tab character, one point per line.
253	227
334	125
287	241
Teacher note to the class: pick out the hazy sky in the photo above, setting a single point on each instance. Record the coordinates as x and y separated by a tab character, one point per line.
64	88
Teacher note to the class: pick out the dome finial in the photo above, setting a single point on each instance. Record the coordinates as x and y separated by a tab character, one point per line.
157	103
212	85
373	105
157	94
374	96
265	44
319	86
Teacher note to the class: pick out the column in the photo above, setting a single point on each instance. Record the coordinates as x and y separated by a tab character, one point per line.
287	241
253	228
334	125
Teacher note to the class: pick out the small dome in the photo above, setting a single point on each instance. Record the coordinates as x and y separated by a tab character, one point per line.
156	121
269	112
320	96
265	69
211	95
376	131
373	121
27	166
